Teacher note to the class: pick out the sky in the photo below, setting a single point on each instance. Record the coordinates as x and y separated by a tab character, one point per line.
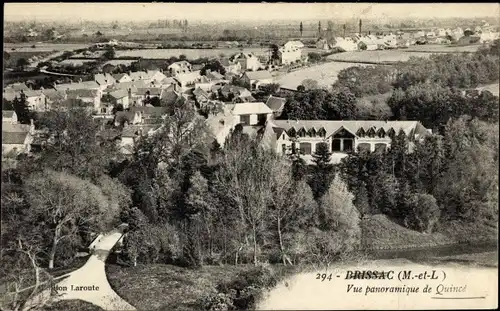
242	11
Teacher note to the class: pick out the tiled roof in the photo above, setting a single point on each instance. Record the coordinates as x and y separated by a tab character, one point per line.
158	111
138	75
152	91
199	92
54	94
77	86
259	75
119	93
8	113
119	76
100	78
188	77
276	103
214	75
352	126
251	108
82	93
13	138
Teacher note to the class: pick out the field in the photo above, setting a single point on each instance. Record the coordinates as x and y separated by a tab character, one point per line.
116	62
190	53
15	56
376	56
325	74
76	62
437	48
43	47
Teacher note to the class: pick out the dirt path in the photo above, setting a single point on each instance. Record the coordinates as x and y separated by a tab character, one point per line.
89	283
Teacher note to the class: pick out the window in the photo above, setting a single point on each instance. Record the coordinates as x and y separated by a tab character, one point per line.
336	145
283	136
245	119
305	148
283	148
348	144
103	110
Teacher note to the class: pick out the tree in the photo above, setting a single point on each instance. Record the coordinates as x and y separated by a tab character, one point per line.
310	84
314	57
424	213
213	65
22	63
322	155
75	145
301	28
98	34
323	170
362	202
319	29
110	53
63	205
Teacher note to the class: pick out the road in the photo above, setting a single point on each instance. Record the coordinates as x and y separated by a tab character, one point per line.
92	276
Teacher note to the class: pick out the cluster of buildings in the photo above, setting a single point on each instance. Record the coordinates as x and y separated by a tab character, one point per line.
133	104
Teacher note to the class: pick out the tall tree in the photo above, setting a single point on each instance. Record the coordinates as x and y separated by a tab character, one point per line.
301	29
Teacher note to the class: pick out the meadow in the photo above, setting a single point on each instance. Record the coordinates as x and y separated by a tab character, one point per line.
326	74
42	47
382	56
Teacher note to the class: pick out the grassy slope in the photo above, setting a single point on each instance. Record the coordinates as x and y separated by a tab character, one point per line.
167	287
381	232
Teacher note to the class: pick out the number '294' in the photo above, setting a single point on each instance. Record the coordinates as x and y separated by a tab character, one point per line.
323	277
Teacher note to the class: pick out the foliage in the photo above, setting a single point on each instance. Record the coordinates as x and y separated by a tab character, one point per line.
213	65
423	214
310	84
362	81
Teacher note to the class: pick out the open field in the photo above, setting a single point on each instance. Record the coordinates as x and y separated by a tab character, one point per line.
43	47
76	62
14	56
325	74
376	56
438	48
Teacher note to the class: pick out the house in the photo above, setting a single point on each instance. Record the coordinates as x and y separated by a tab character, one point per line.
142	96
221	124
132	133
187	80
88	85
270	137
181	67
138	75
251	113
52	95
104	79
322	44
230	66
34	99
155	76
213	75
229	92
256	78
345	44
367	43
244	99
124	118
120	97
290	52
16	142
9	116
121	77
247	60
201	96
88	96
16	87
276	104
346	136
148	113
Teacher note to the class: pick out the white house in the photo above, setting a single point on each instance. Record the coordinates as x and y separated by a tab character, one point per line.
34	99
231	67
92	97
346	44
188	80
247	60
104	79
16	142
9	116
290	52
122	77
251	113
181	67
221	124
257	78
120	97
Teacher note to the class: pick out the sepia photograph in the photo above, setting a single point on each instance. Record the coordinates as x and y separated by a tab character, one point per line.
249	156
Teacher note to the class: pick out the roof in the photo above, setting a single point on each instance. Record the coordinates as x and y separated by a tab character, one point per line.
138	75
100	78
82	93
119	93
168	80
8	127
153	91
170	97
199	92
276	103
53	94
133	130
17	87
13	138
8	113
259	75
157	111
214	75
32	93
247	98
77	86
188	76
352	126
181	63
118	76
9	95
217	122
251	108
134	85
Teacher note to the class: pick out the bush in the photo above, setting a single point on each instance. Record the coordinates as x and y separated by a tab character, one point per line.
243	292
423	213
